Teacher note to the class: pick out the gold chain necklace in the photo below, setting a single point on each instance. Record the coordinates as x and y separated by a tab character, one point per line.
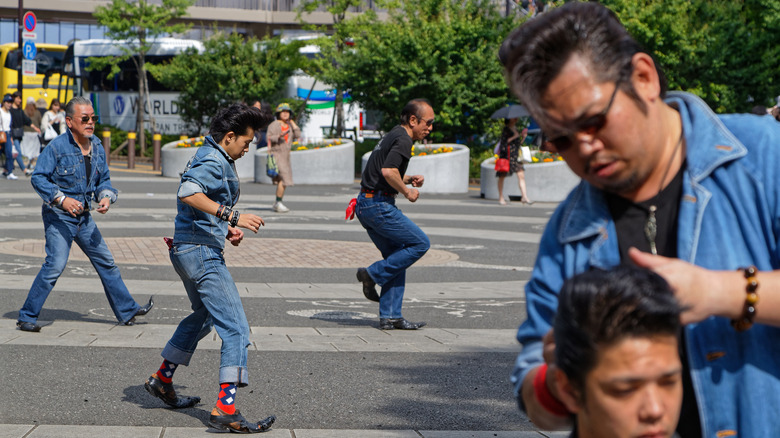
651	226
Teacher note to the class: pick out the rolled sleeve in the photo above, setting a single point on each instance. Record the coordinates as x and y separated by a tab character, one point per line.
189	188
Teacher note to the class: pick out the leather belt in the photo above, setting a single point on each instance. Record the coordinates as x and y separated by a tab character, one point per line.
371	193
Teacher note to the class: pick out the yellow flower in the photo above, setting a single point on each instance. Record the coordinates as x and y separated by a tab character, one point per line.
535	160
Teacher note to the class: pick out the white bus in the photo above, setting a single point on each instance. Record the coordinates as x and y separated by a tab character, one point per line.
116	99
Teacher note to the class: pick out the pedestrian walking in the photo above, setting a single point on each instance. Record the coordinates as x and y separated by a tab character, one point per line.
666	184
280	136
400	240
72	172
208	192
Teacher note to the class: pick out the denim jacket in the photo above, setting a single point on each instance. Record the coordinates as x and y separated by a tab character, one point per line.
61	170
211	172
729	217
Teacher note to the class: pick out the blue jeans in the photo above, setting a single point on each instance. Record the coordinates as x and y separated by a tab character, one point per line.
215	303
401	243
9	153
61	230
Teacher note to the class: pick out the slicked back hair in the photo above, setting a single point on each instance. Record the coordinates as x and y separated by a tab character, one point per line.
413	108
238	118
70	108
535	53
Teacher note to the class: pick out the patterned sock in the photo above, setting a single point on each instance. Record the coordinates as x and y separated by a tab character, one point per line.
227	398
165	373
278	199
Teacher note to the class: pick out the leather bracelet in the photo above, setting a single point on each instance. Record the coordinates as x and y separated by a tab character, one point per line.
234	219
751	299
545	397
219	211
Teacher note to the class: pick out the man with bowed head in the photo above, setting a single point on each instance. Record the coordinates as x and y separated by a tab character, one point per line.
400	240
71	173
668	185
616	338
208	192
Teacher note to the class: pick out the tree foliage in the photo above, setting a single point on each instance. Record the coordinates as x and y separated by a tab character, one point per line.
442	50
725	52
138	24
230	69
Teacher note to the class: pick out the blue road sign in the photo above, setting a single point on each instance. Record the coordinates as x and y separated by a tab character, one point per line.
29	50
30	21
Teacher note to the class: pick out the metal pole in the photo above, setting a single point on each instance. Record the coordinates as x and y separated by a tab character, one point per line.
20	83
131	150
156	144
107	144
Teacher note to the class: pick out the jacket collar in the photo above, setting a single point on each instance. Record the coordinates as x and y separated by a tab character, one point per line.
708	142
210	142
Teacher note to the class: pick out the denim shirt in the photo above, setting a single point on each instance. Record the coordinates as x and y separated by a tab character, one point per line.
61	170
729	218
211	172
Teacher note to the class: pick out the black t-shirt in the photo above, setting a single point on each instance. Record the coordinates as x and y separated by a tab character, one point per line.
630	219
393	151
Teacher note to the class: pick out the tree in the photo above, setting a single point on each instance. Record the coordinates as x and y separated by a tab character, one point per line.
332	48
137	25
230	69
443	50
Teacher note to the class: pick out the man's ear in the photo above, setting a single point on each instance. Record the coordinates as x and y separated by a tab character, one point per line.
645	78
570	396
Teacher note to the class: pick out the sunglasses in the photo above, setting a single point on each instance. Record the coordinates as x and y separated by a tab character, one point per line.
85	119
589	126
427	122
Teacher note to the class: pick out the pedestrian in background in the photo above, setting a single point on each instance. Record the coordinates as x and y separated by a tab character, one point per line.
71	173
509	148
5	126
54	117
208	192
31	143
666	184
280	136
18	121
400	240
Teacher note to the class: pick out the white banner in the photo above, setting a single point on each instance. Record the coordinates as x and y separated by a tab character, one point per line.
120	108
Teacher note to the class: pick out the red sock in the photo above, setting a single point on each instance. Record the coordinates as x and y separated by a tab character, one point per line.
165	373
227	398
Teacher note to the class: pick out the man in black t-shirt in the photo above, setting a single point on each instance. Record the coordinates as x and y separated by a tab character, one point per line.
400	241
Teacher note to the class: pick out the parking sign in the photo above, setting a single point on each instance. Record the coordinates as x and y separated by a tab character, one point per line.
29	50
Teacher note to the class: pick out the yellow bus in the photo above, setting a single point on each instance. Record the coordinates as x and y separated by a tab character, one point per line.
45	83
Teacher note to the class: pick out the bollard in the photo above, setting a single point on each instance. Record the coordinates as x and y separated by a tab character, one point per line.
107	144
156	144
131	150
183	137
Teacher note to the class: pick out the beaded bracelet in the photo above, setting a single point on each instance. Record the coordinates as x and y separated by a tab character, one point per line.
234	219
749	311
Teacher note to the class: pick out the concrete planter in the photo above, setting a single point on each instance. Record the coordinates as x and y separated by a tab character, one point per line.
173	160
545	182
333	165
444	173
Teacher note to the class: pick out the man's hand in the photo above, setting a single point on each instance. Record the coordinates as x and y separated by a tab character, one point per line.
251	222
104	204
536	412
412	195
416	180
72	206
235	235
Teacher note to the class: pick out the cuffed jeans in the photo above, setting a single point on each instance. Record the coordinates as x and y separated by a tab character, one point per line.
61	230
215	303
401	243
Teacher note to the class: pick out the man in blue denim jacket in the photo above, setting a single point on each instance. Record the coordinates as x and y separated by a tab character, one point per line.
667	185
207	194
72	172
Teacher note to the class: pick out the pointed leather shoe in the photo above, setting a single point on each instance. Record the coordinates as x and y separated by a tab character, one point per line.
28	326
400	324
143	310
369	286
237	423
166	393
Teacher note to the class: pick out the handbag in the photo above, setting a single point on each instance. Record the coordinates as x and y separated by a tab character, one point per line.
271	168
526	154
3	137
50	133
502	165
17	132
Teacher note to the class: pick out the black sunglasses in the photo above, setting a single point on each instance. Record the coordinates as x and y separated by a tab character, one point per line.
85	119
589	126
427	122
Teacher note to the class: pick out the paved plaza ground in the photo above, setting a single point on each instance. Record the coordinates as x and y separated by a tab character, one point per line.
317	360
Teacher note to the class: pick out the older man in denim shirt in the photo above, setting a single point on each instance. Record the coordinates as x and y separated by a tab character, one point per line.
208	192
667	185
71	172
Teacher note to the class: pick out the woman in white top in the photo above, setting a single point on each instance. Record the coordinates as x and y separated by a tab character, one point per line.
5	126
54	117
